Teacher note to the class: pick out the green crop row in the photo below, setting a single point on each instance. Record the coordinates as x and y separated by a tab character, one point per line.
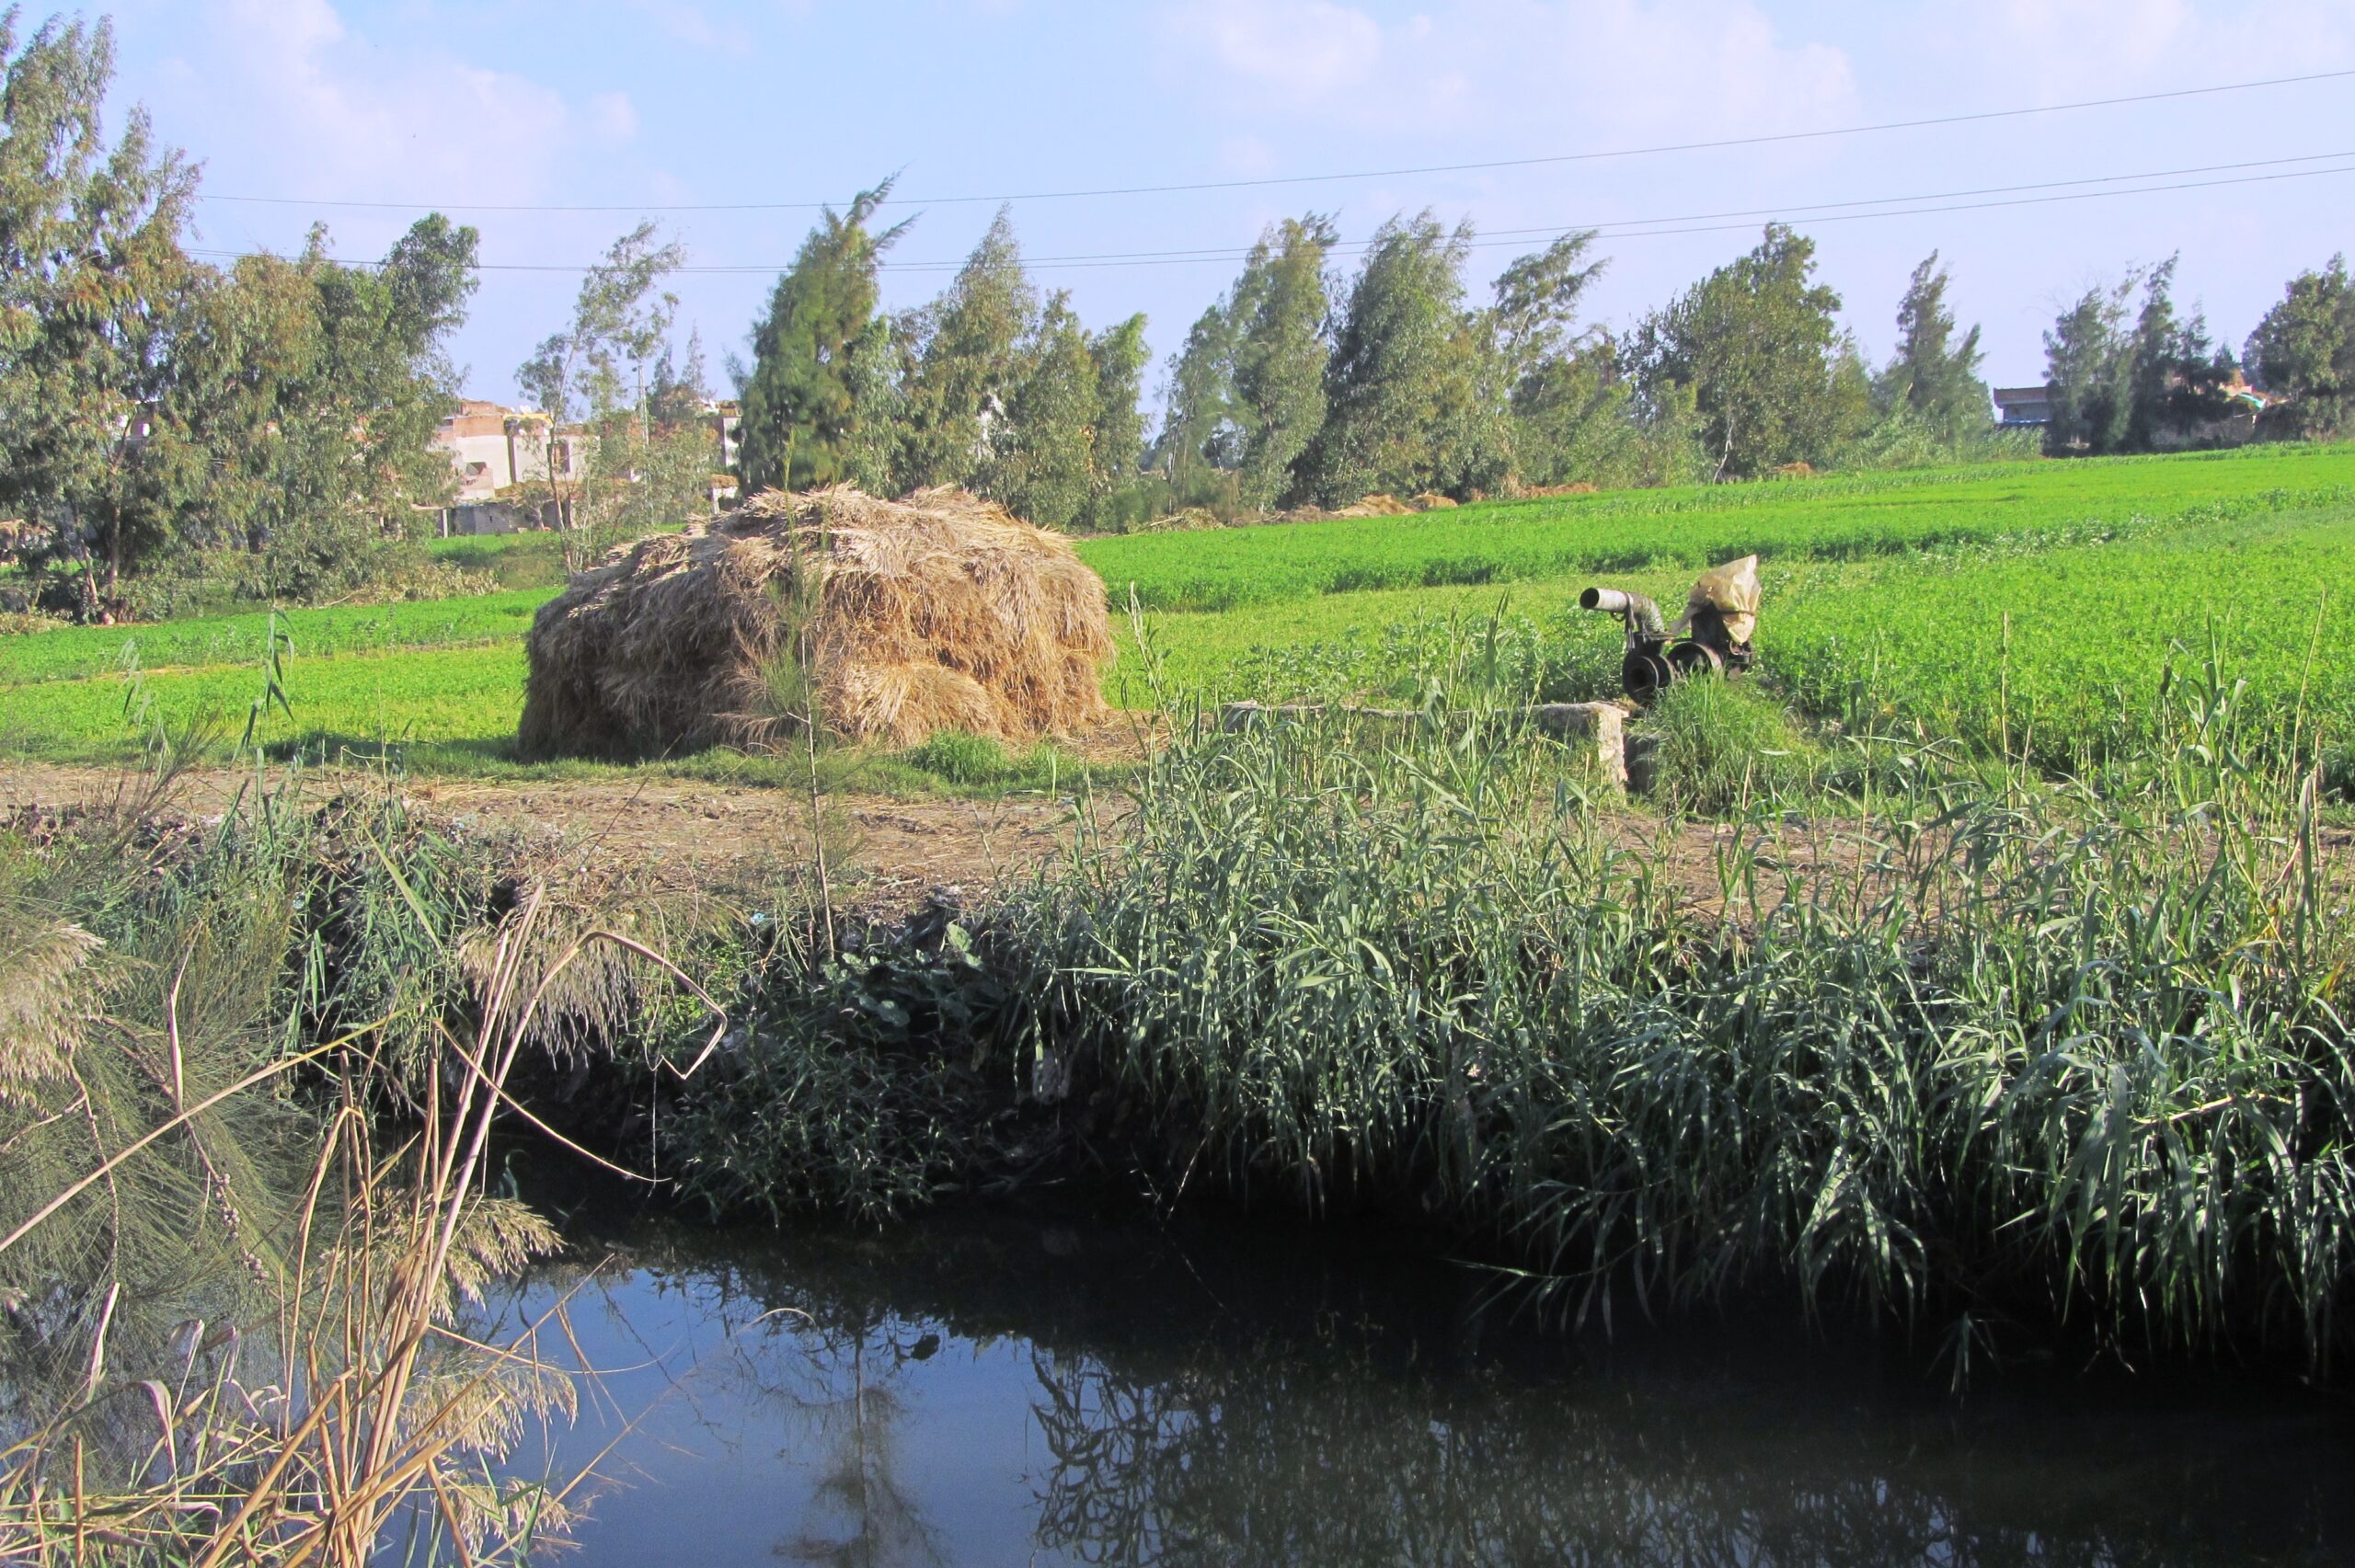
2061	657
2029	505
465	697
73	652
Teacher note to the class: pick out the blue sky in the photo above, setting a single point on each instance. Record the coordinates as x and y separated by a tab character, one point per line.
634	104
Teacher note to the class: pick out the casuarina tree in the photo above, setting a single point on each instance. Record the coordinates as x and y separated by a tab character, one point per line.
1280	354
1246	396
801	404
1388	385
1755	347
1934	376
2089	371
1042	461
596	366
961	361
1199	432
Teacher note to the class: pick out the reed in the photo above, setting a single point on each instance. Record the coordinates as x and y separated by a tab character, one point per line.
237	1289
1997	1052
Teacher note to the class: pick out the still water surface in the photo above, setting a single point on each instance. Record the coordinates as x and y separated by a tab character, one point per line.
1008	1392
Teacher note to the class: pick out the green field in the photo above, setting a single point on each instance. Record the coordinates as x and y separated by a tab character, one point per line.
1829	518
2038	604
2062	653
211	641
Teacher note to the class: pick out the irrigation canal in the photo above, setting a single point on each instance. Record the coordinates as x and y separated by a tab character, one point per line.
1010	1390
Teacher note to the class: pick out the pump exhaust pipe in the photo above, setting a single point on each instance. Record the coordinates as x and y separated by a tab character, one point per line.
1640	613
1645	670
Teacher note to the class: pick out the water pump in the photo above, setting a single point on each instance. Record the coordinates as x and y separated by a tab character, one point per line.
1713	638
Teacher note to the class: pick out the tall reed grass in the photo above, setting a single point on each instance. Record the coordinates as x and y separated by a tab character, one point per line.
2002	1050
249	1076
1996	1055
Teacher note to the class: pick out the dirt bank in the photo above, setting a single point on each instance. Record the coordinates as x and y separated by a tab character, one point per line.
879	849
888	854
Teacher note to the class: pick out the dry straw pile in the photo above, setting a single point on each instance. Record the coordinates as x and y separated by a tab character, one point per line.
884	619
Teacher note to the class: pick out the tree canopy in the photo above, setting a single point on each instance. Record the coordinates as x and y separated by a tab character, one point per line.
801	406
1756	345
1394	374
1934	376
2305	350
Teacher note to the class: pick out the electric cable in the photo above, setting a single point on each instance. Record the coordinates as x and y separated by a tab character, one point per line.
1719	144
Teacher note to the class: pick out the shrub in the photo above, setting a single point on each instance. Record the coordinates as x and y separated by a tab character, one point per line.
1724	744
960	758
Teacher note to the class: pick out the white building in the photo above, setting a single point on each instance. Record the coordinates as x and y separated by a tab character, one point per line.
493	449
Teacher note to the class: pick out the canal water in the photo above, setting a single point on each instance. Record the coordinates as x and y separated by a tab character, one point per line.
1007	1390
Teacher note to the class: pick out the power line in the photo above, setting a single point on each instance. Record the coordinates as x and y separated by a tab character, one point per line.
1603	227
1629	228
1979	117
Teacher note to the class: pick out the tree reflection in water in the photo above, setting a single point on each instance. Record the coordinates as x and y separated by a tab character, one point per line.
863	1514
1283	1460
1175	1421
836	1382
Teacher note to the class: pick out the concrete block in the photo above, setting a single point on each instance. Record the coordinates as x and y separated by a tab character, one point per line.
1601	725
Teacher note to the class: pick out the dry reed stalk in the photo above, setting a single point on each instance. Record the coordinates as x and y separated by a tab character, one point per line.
384	1409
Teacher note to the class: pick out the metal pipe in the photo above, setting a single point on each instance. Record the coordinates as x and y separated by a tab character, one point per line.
1641	615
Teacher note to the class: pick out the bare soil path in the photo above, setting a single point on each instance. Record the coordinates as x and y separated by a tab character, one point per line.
889	854
879	849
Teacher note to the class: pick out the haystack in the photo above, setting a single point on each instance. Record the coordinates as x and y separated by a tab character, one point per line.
886	620
1379	504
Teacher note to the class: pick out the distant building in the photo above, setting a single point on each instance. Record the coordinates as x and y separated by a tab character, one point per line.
2023	408
493	449
502	458
2236	391
2240	405
726	416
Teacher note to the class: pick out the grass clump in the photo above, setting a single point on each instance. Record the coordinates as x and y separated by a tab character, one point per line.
2021	1057
961	757
980	764
1720	746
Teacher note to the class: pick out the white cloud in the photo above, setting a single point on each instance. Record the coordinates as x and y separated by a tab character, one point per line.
323	112
1601	69
1309	48
2049	49
614	117
691	25
1247	157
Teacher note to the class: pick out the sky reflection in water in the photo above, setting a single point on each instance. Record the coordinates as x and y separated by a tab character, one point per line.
1013	1393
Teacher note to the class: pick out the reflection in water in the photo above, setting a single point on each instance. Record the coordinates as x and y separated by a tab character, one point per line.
863	1514
996	1394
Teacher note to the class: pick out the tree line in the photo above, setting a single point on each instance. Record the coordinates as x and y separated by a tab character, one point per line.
260	426
1305	384
268	416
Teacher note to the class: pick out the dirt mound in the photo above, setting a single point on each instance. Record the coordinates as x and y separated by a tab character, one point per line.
1185	520
883	620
